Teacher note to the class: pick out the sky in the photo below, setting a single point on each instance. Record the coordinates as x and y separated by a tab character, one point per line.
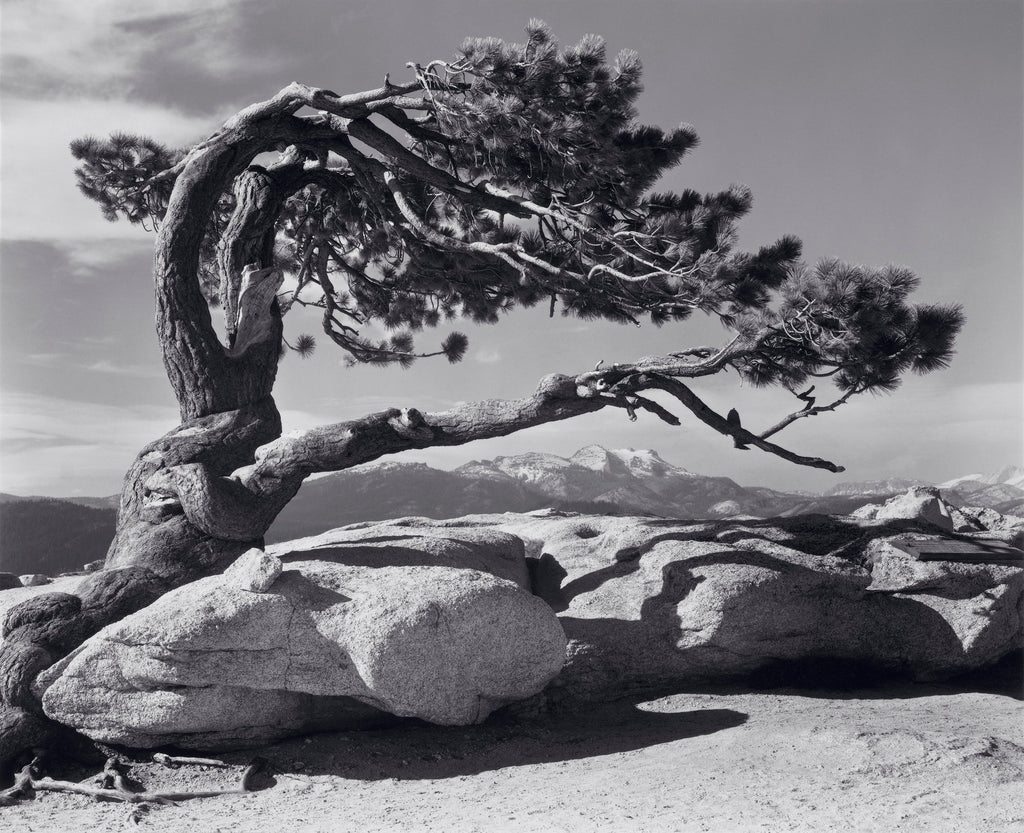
877	131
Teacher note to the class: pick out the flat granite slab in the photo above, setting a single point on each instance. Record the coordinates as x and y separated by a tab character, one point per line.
967	552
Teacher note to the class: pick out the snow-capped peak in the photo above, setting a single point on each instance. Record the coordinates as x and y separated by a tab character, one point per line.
1010	475
643	461
1007	475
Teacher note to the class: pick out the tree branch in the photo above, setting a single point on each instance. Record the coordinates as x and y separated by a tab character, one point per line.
343	445
810	409
385	144
723	426
558	397
241	507
673	365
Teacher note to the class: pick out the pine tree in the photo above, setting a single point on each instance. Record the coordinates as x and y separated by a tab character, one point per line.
521	177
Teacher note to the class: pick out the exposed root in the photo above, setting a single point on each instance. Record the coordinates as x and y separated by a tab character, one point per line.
115	785
22	786
173	761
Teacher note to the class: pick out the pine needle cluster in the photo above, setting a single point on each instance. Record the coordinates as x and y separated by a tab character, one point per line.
525	178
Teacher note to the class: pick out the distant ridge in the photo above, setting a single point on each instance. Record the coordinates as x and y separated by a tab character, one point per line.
623	481
52	536
874	487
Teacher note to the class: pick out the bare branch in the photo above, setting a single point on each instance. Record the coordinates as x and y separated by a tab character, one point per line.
723	426
295	96
116	786
241	507
174	761
558	397
810	409
632	401
673	365
385	144
340	446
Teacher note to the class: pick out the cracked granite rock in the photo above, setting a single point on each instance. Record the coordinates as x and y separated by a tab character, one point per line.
328	645
651	603
433	618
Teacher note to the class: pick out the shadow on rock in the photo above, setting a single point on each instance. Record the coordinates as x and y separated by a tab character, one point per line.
432	752
833	678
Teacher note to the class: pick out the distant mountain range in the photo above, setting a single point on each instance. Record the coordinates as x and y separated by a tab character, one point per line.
48	535
51	535
593	479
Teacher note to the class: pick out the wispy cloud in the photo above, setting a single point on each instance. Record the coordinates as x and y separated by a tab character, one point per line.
18	440
67	45
46	359
487	356
40	198
70	361
60	447
139	371
88	259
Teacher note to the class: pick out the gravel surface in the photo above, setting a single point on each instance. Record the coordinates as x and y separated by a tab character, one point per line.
895	758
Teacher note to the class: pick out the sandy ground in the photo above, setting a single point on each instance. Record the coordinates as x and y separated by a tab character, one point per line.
899	758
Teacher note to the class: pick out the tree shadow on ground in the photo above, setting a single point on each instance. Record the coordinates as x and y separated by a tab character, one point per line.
420	751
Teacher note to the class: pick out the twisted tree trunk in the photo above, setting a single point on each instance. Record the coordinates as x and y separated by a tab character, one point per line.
199	496
227	411
223	391
152	529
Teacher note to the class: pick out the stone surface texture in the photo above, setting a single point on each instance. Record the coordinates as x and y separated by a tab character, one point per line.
415	541
254	570
329	644
648	602
16	595
436	619
34	580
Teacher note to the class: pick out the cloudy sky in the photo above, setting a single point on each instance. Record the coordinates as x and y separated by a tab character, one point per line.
878	131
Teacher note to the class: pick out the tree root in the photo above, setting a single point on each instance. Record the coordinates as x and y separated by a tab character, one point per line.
115	785
176	761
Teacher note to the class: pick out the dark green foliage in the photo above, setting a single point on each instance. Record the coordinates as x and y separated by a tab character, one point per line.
851	323
117	173
375	242
454	347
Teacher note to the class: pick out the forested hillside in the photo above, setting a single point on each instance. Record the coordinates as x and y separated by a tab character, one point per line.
51	536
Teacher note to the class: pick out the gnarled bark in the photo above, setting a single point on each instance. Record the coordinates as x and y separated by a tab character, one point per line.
152	531
240	506
209	489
